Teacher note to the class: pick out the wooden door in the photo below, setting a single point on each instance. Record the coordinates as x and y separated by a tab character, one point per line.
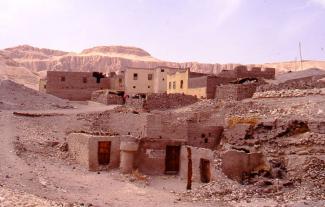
205	173
104	152
172	159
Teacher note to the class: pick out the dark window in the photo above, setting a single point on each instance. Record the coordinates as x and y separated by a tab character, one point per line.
148	86
181	84
163	79
133	86
62	78
170	85
45	86
206	140
162	70
174	85
135	76
120	80
84	80
202	135
149	76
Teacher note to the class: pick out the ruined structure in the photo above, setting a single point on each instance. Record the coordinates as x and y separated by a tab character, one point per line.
108	97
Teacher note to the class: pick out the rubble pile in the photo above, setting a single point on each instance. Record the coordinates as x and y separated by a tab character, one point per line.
289	93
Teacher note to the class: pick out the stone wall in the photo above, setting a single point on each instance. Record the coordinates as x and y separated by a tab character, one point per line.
75	86
106	97
235	91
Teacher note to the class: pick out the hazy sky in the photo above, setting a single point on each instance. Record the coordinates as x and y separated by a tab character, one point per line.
243	31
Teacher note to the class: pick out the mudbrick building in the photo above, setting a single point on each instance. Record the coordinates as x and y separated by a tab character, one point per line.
76	86
79	86
151	143
207	86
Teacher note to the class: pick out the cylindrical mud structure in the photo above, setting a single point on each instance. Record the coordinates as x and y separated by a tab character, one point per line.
128	149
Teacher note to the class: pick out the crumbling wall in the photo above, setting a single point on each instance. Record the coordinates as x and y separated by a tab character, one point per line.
150	158
166	126
236	164
235	91
204	136
105	97
122	123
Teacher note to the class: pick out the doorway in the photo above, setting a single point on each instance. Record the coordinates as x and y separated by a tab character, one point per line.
172	159
205	172
104	152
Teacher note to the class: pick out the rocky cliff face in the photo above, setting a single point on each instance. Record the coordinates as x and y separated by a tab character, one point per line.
113	58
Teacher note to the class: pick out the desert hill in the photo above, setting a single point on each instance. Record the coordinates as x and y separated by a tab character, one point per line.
12	70
20	63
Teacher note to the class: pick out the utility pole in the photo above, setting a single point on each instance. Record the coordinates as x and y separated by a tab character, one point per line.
300	55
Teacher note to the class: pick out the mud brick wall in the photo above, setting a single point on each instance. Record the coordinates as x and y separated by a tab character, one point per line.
197	82
237	163
75	86
235	91
166	126
164	101
150	158
104	97
201	135
124	124
197	155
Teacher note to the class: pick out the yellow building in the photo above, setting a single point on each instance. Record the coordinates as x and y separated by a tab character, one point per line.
190	83
146	80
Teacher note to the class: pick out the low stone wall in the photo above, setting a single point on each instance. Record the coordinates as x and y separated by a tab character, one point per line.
161	101
105	97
